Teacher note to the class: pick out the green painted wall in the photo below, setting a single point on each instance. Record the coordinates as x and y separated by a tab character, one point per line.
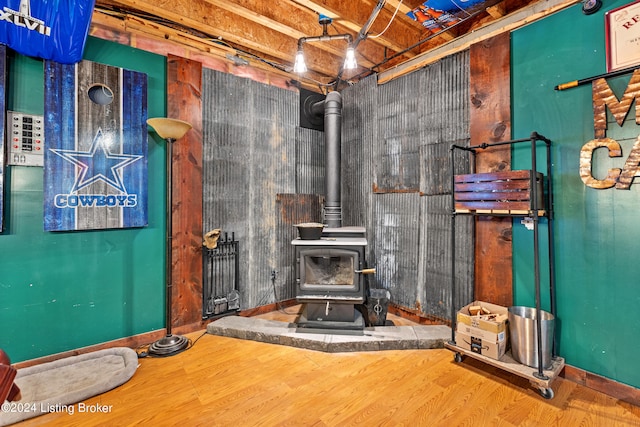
596	231
65	290
61	291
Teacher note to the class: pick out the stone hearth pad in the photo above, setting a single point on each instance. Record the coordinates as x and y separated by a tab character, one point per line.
373	339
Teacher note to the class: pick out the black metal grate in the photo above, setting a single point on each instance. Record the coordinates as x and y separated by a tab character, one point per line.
220	268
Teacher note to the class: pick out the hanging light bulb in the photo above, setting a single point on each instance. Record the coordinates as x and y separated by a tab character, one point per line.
299	66
350	60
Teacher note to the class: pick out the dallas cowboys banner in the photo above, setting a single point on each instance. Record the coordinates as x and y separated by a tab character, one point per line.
48	29
95	162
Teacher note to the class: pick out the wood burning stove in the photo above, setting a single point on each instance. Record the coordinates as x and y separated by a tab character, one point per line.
330	280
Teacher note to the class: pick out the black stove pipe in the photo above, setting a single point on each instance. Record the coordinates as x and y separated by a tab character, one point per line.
332	106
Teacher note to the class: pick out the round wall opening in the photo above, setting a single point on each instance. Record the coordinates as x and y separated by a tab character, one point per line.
100	94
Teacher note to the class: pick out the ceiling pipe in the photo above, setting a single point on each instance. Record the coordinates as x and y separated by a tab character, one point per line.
299	65
417	44
362	34
324	38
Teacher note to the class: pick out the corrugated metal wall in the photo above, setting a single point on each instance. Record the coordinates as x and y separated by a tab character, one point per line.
263	173
292	209
396	141
446	116
359	136
309	161
249	133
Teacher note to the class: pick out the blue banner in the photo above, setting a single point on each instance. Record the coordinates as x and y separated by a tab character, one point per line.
48	29
437	15
3	76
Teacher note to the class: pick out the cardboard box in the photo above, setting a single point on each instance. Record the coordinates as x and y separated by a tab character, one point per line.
485	334
481	333
494	322
492	349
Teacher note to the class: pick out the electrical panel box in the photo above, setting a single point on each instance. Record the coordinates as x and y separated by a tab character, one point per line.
26	139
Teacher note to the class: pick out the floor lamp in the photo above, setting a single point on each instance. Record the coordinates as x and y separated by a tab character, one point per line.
170	130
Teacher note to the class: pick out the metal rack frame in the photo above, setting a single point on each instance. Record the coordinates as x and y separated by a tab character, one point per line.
540	378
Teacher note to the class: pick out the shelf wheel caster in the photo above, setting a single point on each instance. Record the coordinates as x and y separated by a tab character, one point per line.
457	357
547	393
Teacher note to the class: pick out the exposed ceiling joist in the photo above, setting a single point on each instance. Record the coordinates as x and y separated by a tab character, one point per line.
517	19
266	32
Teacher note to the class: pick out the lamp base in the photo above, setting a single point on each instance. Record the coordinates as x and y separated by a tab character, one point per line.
168	345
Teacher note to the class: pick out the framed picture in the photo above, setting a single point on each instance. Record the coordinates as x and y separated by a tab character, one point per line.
622	31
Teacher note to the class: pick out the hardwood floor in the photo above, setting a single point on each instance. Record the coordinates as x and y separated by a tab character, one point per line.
224	381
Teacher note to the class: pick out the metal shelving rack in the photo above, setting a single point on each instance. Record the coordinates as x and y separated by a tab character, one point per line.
495	196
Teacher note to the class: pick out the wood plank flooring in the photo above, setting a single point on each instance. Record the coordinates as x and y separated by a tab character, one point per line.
224	381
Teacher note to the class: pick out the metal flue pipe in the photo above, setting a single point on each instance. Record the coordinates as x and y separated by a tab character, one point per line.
332	107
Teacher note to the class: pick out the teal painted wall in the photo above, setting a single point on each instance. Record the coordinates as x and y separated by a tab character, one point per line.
596	231
65	290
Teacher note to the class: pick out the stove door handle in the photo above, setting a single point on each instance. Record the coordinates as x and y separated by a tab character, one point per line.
366	271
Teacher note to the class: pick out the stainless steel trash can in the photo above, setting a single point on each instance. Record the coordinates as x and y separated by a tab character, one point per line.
524	335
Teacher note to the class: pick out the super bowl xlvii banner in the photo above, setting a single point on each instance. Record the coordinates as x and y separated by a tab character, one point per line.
3	65
95	162
48	29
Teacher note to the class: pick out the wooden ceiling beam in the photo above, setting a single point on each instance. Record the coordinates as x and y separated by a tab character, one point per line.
512	21
497	11
229	27
292	20
267	32
131	31
402	7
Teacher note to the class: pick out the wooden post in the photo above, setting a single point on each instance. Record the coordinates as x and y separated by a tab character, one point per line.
184	86
490	119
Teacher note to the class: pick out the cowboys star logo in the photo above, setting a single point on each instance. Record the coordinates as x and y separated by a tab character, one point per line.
98	164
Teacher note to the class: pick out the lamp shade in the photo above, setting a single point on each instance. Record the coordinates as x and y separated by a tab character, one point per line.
169	128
